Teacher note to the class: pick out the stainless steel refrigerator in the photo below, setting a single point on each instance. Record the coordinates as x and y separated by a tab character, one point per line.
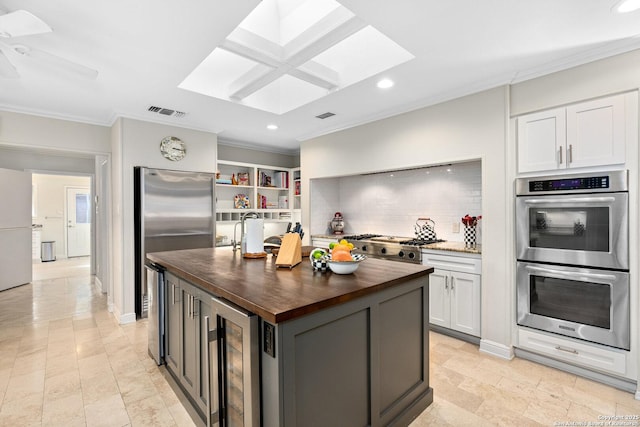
173	210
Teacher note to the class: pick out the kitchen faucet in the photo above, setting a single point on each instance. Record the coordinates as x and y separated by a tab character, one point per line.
243	217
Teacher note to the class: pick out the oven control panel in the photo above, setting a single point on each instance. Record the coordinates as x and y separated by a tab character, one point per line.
596	182
590	183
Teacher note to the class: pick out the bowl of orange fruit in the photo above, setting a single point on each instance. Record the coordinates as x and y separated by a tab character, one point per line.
341	260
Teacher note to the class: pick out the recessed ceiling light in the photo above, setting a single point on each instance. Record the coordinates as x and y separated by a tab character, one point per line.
272	127
385	84
625	6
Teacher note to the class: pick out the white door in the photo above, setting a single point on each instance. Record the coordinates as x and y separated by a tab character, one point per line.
78	222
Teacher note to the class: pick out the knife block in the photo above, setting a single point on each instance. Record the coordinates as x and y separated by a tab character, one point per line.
290	253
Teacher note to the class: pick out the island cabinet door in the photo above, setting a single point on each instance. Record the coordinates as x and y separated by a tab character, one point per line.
400	330
189	339
361	363
172	319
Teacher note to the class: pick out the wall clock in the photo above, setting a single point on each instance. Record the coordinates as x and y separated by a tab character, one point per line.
173	148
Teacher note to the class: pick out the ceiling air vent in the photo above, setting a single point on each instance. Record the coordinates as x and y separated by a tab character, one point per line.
325	115
166	111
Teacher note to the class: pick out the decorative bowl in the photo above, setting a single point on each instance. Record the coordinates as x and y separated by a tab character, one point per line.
319	264
345	267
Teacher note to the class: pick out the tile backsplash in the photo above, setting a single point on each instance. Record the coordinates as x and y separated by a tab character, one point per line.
389	203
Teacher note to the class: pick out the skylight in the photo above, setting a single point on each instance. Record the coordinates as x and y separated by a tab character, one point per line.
288	53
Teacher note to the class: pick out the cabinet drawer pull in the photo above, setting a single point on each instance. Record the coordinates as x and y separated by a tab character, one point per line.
446	283
567	350
452	281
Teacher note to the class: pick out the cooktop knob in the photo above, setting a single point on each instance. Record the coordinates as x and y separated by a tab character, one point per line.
401	254
412	255
383	250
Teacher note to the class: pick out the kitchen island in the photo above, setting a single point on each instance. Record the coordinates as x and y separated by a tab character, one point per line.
331	349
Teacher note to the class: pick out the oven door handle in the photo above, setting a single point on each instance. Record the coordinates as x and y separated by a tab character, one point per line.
570	200
572	274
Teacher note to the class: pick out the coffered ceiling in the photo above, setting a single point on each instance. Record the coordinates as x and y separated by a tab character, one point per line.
212	65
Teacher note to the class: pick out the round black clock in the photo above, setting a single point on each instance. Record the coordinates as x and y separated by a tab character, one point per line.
173	148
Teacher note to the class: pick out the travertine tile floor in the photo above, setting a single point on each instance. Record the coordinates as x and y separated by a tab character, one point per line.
64	361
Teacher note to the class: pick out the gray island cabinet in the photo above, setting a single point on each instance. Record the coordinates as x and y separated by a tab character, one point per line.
325	349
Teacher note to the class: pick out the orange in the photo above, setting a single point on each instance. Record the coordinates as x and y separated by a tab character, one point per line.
341	247
341	256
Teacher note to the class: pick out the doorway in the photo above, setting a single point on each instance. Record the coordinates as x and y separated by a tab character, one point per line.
62	213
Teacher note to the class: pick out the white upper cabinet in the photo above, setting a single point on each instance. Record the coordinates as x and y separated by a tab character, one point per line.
596	132
587	134
541	139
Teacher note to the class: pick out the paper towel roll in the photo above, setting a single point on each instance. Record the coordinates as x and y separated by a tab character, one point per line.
254	232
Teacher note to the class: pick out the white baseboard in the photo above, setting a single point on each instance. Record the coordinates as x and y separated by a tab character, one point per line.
495	349
127	318
123	319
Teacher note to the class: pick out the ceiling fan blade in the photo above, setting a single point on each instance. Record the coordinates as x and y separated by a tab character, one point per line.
22	23
56	61
7	69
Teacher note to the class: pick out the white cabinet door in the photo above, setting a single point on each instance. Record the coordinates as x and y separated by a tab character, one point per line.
592	133
439	298
596	132
465	302
542	141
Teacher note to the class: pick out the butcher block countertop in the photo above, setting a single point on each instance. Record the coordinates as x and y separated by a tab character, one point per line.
281	294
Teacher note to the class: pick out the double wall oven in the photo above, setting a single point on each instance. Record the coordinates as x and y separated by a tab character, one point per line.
572	247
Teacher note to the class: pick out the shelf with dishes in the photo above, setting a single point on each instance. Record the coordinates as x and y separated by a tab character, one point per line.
235	215
249	186
265	190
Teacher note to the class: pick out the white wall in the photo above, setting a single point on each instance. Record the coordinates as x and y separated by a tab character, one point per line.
248	155
24	130
136	143
469	128
617	74
390	203
51	199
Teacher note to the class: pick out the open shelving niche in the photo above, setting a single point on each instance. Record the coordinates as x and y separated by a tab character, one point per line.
283	204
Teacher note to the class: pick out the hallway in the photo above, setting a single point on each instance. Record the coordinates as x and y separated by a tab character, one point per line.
64	360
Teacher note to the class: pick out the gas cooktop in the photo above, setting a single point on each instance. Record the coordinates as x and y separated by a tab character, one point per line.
405	249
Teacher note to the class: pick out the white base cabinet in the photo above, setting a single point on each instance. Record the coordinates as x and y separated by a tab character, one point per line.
454	292
592	133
